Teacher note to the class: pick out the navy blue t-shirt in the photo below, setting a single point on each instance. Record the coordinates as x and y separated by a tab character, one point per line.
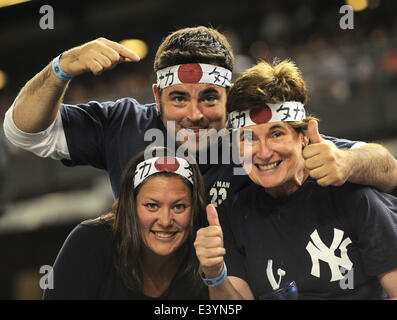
107	135
332	241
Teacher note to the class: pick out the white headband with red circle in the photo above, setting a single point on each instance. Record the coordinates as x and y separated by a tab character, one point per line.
289	111
162	164
194	73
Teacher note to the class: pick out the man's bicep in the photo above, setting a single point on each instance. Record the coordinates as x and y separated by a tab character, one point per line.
378	167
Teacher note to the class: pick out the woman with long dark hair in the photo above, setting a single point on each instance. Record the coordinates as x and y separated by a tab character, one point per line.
143	248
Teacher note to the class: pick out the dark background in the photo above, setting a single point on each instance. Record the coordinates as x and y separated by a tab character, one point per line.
351	76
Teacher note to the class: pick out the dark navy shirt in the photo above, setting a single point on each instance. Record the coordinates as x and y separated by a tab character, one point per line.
332	241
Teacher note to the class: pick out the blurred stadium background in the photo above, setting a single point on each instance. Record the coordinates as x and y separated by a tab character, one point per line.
351	76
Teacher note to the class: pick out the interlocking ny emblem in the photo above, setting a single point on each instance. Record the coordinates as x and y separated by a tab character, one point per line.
319	251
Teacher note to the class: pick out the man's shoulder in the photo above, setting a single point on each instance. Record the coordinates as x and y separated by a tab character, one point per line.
342	143
131	102
129	107
122	115
112	108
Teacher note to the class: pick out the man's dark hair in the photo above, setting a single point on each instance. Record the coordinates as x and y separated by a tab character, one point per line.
194	45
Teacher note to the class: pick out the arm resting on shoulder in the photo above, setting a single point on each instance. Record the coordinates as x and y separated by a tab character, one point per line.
372	164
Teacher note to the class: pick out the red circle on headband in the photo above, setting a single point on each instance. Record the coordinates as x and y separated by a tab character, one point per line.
261	114
190	73
169	164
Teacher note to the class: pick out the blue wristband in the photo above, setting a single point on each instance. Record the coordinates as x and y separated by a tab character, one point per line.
218	280
58	71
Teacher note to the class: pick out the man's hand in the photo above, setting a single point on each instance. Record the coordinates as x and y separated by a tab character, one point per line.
95	56
324	161
209	245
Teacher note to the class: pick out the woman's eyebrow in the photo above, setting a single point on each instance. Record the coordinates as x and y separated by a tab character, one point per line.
276	126
184	198
149	199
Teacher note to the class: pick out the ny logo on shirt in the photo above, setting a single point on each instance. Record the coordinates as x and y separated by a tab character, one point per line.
319	251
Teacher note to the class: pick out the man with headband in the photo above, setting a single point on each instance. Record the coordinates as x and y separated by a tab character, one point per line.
194	68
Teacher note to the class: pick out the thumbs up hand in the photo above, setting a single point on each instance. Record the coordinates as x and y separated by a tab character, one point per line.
324	161
209	245
312	132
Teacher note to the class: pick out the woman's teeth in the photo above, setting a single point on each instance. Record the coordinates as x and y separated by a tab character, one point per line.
164	235
268	166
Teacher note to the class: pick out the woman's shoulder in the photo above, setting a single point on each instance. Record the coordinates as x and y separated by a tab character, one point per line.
91	234
83	262
94	227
